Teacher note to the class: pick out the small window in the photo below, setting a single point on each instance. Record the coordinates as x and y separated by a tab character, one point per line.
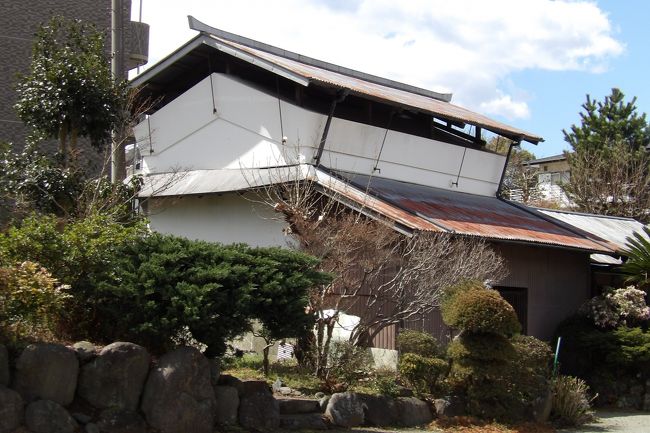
518	298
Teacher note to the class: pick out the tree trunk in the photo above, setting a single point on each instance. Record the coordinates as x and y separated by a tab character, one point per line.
265	361
63	144
73	151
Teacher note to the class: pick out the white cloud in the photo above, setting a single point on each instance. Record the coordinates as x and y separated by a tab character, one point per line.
468	47
506	107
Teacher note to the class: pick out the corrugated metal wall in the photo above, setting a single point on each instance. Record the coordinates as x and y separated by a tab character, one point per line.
558	282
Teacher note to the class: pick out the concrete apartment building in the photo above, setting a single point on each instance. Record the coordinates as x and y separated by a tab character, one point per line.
19	20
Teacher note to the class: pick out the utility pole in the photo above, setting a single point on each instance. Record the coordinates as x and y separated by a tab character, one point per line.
118	166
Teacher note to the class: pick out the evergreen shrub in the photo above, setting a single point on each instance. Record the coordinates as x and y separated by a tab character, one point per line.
499	376
481	311
418	342
167	284
422	373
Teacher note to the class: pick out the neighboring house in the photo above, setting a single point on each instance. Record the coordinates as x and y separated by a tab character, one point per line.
232	115
19	21
552	173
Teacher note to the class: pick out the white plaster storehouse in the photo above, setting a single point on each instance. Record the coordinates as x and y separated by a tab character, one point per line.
231	114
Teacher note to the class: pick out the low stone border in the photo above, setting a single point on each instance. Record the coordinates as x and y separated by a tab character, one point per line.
117	389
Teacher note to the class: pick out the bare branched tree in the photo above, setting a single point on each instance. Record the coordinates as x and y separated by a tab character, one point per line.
380	275
611	180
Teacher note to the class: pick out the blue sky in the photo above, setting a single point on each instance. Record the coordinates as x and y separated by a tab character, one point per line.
528	63
557	96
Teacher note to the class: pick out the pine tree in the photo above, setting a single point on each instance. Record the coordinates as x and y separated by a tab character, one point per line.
610	166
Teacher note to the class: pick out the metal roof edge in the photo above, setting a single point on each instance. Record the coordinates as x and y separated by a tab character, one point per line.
576	231
552	158
570	212
168	60
197	25
254	60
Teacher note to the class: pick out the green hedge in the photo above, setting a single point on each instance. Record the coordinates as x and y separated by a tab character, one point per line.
160	291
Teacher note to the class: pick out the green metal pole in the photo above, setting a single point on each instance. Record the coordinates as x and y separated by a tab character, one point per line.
557	355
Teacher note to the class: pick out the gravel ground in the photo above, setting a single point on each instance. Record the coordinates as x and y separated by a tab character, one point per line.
616	421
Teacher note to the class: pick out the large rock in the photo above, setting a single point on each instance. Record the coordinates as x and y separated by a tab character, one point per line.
228	380
413	411
345	410
115	378
303	421
4	366
45	416
258	409
11	410
227	405
85	351
121	421
298	405
379	410
47	371
449	406
215	370
178	396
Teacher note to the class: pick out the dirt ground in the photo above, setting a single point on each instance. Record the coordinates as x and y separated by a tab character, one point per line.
608	421
616	421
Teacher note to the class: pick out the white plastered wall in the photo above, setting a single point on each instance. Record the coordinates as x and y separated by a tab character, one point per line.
248	127
228	218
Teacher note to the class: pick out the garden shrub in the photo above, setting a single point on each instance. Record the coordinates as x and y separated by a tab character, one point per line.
385	382
480	311
616	307
78	253
499	377
346	364
151	289
418	342
571	402
481	347
422	373
166	284
449	293
535	354
530	368
31	301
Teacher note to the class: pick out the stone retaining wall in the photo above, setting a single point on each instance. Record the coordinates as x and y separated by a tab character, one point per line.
120	389
623	390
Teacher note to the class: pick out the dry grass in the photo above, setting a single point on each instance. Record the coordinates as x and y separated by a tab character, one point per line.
464	424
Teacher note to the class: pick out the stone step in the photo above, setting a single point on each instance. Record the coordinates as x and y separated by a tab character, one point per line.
298	406
310	421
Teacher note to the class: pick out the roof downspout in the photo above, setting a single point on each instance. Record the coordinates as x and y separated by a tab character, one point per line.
505	167
340	96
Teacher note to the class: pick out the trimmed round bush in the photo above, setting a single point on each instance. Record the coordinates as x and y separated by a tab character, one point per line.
481	347
450	293
481	311
418	342
422	373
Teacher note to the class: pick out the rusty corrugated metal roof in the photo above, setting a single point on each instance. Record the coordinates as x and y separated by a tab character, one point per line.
415	207
471	215
385	93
